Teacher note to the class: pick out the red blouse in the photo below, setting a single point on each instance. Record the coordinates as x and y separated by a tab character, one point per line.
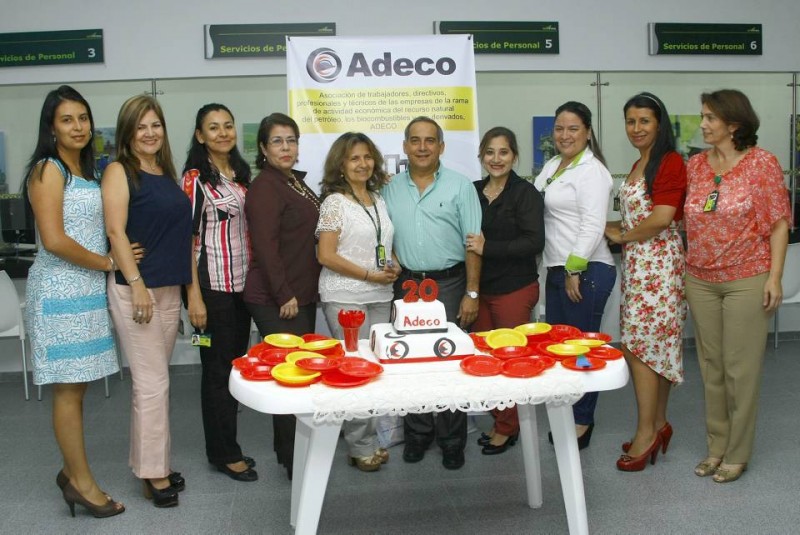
732	242
669	186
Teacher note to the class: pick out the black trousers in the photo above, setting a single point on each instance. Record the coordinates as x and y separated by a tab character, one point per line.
229	325
268	321
448	428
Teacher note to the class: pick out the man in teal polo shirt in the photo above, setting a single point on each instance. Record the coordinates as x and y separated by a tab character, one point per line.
433	209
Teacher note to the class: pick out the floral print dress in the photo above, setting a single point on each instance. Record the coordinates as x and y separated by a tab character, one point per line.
653	308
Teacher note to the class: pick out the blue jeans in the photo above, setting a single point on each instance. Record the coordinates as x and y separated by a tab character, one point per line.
596	285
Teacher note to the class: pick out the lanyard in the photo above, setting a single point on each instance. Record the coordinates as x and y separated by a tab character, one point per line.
377	214
558	174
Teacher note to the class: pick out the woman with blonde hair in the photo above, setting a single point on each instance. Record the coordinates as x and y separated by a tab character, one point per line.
143	202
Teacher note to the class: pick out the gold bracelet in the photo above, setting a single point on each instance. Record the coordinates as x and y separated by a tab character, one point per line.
366	274
136	278
113	265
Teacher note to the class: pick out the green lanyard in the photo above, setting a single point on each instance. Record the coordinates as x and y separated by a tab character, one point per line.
558	174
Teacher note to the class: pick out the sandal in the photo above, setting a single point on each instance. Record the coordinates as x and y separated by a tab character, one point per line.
708	467
370	463
730	473
382	454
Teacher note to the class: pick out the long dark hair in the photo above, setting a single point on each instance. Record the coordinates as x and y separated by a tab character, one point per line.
46	143
197	155
665	139
333	180
585	116
128	119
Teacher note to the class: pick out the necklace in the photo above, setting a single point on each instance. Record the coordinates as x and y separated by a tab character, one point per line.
300	189
492	195
149	167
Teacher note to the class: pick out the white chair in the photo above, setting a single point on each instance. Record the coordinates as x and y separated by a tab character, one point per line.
11	322
790	282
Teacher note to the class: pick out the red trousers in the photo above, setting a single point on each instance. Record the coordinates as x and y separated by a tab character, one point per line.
506	310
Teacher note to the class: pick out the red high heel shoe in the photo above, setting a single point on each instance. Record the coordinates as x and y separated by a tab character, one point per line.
626	463
665	433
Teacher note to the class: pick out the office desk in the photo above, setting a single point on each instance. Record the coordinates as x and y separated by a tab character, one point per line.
410	388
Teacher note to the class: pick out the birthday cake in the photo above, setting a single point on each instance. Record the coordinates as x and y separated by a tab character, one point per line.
419	331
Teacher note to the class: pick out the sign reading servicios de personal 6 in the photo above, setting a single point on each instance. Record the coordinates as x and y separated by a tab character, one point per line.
498	37
704	39
51	48
259	40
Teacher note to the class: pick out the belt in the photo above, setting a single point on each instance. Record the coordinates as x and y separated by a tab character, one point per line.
452	271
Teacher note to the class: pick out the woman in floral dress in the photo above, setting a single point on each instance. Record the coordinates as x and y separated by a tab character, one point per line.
653	310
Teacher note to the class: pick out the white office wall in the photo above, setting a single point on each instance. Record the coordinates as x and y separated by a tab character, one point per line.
164	38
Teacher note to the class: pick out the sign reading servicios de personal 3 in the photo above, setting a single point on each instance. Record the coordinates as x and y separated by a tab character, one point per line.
493	37
51	48
259	40
704	39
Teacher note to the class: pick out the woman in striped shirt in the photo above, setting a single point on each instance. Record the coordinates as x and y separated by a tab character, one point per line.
216	178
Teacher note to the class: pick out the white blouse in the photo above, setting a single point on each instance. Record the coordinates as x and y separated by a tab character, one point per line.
357	242
575	209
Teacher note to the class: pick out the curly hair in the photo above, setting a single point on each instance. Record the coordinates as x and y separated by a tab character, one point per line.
734	108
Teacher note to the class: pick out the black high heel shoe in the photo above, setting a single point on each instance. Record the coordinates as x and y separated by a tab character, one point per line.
167	497
583	440
491	449
484	439
246	475
72	496
177	481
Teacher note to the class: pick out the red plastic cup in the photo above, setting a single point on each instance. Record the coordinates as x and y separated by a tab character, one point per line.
350	338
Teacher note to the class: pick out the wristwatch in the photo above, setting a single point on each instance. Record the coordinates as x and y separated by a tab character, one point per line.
572	273
472	294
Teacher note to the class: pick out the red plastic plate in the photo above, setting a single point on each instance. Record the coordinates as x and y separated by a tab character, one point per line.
596	336
559	333
512	352
358	367
605	353
246	362
273	355
523	367
318	364
482	365
340	380
260	372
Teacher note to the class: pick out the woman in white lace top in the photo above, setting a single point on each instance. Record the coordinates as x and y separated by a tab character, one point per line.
358	268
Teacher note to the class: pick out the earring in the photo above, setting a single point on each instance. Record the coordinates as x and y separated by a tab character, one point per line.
54	139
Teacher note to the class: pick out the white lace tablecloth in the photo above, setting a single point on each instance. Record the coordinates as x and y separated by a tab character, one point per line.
400	394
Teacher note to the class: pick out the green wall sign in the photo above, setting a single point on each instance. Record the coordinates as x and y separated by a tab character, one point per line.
506	37
704	39
51	48
258	40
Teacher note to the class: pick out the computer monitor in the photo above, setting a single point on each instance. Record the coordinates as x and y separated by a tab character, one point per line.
16	220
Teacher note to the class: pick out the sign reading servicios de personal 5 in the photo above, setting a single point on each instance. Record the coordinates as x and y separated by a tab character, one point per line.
51	48
259	40
498	37
704	39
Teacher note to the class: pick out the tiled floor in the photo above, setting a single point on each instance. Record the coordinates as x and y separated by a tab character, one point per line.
486	496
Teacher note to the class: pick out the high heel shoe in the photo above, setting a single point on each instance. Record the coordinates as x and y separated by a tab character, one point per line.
491	449
484	439
666	435
62	480
167	497
626	463
72	496
247	475
583	440
370	463
177	481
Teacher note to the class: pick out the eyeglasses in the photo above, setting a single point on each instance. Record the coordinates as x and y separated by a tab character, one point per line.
279	141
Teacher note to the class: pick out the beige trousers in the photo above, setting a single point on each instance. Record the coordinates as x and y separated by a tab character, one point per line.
148	348
731	332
